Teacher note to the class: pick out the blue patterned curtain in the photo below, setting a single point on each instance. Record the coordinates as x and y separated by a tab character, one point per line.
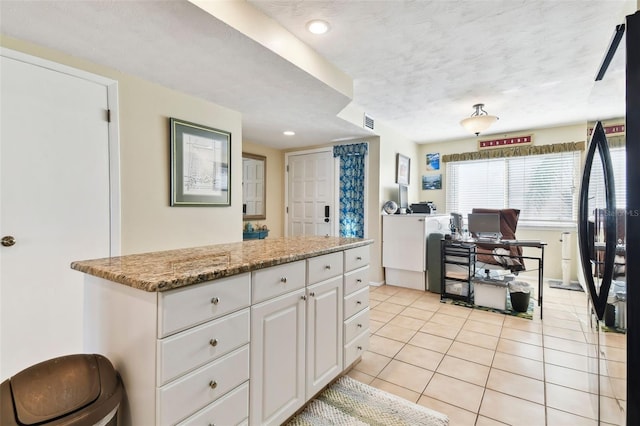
351	188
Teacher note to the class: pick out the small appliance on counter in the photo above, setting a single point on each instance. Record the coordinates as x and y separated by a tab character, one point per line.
423	207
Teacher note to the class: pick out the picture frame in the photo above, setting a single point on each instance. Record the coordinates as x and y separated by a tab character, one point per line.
433	161
403	169
430	182
200	165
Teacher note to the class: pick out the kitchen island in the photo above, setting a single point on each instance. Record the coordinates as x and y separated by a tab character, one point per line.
240	333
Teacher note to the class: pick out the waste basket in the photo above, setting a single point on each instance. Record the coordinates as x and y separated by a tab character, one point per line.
78	390
519	293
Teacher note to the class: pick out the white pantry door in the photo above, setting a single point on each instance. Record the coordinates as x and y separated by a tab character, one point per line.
311	194
54	202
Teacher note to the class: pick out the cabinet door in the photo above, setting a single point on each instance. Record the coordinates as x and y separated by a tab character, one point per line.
404	243
277	358
324	334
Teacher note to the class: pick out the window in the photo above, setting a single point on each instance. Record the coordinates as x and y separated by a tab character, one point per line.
596	189
543	187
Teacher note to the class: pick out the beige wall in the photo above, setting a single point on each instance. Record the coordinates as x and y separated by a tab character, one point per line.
553	252
274	188
148	222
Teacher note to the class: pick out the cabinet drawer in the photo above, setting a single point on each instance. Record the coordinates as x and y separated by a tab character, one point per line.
185	307
356	302
355	280
356	258
324	267
356	325
271	282
188	394
197	346
231	409
356	348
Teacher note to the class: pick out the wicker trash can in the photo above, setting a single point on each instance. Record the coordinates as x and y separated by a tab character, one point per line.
80	389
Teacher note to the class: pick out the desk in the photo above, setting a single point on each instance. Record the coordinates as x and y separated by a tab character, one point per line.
512	243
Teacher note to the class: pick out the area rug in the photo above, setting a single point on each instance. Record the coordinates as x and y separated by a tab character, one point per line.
350	402
508	311
573	285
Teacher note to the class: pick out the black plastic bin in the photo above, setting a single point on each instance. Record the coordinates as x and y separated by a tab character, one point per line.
80	389
520	294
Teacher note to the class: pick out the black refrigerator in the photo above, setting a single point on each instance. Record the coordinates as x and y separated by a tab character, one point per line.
609	239
633	216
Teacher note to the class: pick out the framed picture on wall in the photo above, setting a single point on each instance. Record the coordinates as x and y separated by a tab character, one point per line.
200	165
403	169
433	161
432	182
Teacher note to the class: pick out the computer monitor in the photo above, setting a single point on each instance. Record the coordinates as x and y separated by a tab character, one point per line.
403	198
484	225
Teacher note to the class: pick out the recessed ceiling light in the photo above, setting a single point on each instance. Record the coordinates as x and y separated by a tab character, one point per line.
318	26
288	133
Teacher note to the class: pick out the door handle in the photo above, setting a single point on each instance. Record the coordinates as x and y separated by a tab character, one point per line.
326	214
8	241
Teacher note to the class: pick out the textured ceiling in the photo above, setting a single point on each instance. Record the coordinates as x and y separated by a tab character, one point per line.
417	66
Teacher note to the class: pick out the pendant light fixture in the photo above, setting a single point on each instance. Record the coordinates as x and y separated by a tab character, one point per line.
479	121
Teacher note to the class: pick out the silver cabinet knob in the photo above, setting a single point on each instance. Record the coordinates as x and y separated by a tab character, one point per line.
213	384
283	279
215	300
8	241
359	325
359	258
358	280
358	302
359	348
213	342
312	294
303	297
327	267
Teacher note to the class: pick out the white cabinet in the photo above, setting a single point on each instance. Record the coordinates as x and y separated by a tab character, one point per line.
404	247
277	386
324	334
251	348
356	304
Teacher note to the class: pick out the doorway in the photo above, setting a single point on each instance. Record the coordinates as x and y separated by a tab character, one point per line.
59	202
310	191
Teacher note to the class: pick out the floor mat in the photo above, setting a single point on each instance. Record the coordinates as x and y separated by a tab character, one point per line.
350	402
573	285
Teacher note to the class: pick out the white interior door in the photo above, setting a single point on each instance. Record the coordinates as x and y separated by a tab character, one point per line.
311	192
55	203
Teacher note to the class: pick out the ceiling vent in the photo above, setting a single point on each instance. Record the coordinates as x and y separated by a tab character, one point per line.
368	122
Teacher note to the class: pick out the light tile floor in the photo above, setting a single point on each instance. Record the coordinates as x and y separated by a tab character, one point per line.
484	368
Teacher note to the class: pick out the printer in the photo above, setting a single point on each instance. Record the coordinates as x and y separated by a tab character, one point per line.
423	207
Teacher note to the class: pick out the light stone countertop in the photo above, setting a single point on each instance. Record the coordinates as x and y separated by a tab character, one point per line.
166	270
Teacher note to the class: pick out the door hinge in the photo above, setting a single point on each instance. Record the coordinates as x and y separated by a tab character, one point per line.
287	208
287	168
108	116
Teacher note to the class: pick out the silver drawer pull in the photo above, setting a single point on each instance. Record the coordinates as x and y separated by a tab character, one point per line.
359	348
283	279
359	258
215	300
327	267
213	342
213	384
358	280
359	325
358	302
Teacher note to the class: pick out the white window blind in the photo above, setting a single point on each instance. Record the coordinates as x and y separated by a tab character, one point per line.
543	187
596	187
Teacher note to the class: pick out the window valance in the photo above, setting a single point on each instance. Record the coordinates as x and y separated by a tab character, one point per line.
516	151
350	149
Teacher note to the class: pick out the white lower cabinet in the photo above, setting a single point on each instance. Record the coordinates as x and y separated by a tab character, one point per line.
324	334
277	383
251	348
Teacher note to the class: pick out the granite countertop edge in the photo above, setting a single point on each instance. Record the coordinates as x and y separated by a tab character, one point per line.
172	269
